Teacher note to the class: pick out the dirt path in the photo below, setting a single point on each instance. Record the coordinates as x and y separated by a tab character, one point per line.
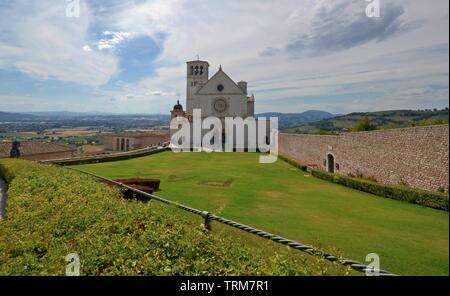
3	189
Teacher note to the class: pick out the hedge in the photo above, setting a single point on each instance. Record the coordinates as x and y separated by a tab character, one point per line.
294	163
429	199
52	211
106	158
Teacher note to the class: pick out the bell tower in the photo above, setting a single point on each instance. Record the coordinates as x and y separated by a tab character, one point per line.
197	76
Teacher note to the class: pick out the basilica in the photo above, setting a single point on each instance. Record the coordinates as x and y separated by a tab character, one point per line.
217	96
221	98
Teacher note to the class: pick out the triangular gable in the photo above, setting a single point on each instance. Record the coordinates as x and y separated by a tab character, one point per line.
210	87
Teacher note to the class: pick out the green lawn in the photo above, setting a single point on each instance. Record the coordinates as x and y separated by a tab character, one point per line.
410	239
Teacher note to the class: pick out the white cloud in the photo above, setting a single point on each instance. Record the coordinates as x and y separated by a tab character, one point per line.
162	93
87	48
235	34
249	39
42	42
416	91
112	39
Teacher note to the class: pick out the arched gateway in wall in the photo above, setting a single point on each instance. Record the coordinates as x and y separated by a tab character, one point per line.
330	163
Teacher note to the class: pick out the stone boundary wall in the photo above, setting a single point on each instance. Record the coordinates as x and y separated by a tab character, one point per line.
46	156
417	156
108	157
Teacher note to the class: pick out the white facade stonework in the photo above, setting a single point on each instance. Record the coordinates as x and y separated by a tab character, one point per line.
217	96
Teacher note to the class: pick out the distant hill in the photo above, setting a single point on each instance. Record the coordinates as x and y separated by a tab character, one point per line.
79	116
382	120
286	120
64	114
8	116
18	116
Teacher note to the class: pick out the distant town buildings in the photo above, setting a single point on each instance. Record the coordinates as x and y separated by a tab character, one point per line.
134	140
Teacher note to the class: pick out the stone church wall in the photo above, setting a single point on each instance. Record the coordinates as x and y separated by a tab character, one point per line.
418	157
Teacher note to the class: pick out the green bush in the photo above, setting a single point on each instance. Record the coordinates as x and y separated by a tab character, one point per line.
52	211
364	125
107	158
293	163
436	200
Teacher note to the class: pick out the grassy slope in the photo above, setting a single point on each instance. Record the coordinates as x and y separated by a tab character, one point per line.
52	212
382	119
410	239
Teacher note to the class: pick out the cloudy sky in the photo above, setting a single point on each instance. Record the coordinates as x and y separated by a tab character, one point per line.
297	55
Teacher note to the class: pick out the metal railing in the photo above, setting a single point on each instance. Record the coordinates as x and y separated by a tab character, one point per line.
261	233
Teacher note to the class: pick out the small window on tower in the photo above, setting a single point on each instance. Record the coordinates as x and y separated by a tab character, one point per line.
201	70
196	70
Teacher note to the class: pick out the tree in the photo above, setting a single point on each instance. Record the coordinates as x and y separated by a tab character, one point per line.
364	125
440	121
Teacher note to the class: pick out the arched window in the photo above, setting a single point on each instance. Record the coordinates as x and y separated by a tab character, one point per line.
196	70
201	70
330	163
122	145
128	144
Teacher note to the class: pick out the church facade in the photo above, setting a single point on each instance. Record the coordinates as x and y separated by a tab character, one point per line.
217	96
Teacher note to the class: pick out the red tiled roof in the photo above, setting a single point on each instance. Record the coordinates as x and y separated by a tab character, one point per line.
33	147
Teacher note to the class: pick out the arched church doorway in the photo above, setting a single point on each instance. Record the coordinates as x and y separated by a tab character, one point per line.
330	163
